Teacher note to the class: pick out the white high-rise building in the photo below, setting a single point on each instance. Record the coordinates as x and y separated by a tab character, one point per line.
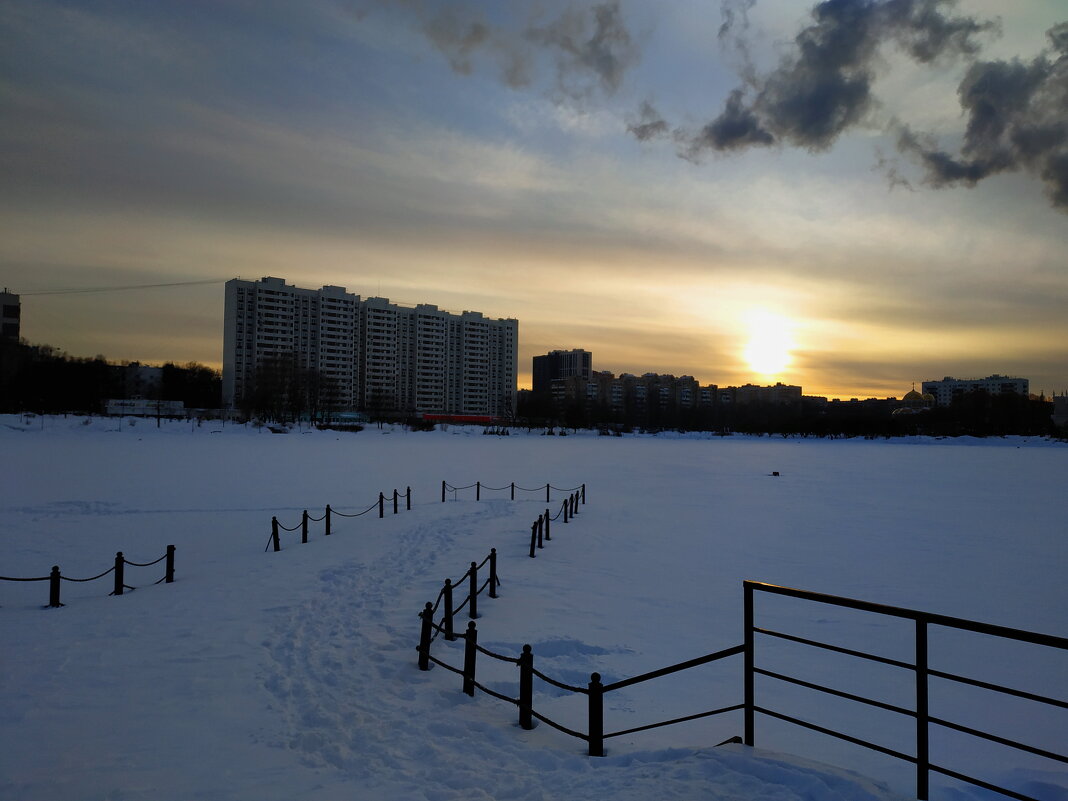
377	355
948	388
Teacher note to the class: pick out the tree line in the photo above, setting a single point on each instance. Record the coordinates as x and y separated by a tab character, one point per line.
979	414
41	378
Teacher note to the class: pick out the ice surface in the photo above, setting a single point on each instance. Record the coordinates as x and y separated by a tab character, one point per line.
261	675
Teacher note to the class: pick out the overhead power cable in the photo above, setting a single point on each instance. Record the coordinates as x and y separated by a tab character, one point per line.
85	290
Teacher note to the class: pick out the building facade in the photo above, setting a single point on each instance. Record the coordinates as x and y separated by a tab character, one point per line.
947	389
375	355
560	364
10	316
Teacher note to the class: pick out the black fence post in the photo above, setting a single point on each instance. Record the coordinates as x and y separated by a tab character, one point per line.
119	564
168	577
564	508
408	500
395	498
583	494
274	534
381	505
748	668
547	526
472	607
424	636
533	538
513	490
540	525
596	715
327	516
546	493
469	659
304	527
443	490
493	573
922	756
478	490
448	610
53	587
574	504
526	688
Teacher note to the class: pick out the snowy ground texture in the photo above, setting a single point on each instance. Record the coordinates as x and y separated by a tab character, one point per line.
292	675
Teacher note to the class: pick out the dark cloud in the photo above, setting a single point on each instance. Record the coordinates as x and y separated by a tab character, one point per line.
649	125
1017	120
588	49
823	86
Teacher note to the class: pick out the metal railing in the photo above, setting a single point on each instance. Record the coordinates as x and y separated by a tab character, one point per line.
923	673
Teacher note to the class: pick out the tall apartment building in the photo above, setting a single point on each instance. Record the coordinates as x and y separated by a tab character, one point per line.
377	355
11	308
948	388
557	364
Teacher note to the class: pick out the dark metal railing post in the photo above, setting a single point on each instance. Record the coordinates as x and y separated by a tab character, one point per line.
513	490
526	688
547	526
472	607
53	587
119	563
327	518
396	497
921	710
540	524
469	659
168	577
425	635
533	538
443	490
304	526
274	534
564	509
574	504
408	500
447	599
596	716
748	668
493	573
381	504
478	490
583	494
546	493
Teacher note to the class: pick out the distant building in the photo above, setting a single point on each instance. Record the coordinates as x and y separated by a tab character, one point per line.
1060	411
376	355
560	364
947	389
10	315
143	407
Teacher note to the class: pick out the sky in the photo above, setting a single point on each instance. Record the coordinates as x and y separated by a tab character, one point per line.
851	196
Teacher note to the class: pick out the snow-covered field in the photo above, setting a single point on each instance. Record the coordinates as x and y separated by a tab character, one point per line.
292	675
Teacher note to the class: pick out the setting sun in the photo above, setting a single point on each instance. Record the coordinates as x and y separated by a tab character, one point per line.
768	350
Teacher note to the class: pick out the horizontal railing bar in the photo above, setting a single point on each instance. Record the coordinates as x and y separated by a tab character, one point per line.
978	783
495	694
839	735
999	740
914	614
676	720
495	655
836	648
849	696
445	665
998	688
701	660
561	685
558	727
